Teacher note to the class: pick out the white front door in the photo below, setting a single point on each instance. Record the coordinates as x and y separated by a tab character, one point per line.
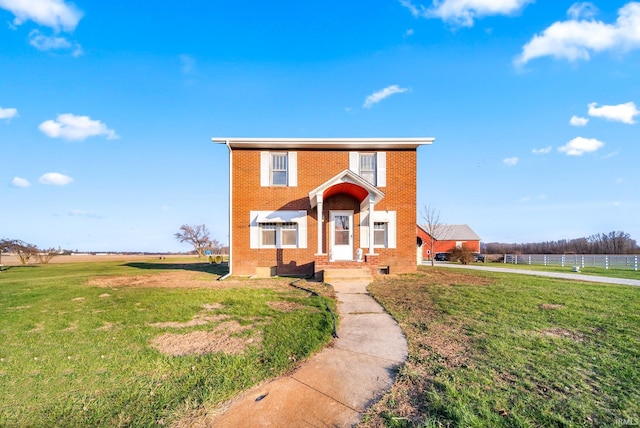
341	235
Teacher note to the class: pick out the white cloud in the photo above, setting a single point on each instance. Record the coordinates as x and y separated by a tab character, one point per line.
76	128
541	197
81	213
409	32
8	113
619	113
612	154
55	14
46	43
578	121
463	12
55	179
584	10
580	145
542	151
380	95
511	161
20	182
188	64
579	36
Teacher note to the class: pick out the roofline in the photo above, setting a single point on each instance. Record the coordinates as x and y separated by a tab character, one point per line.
324	143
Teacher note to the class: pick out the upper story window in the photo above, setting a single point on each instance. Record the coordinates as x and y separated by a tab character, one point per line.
278	169
278	172
368	167
371	166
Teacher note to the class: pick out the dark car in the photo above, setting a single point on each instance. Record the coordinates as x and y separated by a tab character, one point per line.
441	257
477	257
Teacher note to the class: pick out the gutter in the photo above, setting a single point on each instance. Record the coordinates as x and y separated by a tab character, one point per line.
226	142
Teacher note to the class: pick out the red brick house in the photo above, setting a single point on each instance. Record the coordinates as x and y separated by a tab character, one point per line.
448	237
300	206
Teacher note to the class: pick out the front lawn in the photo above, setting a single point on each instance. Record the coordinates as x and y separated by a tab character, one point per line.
493	349
146	343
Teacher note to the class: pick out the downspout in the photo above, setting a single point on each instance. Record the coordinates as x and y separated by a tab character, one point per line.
226	142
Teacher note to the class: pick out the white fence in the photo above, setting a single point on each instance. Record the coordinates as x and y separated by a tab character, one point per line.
613	261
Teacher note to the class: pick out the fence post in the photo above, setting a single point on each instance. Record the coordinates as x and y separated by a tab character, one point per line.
562	261
582	261
529	258
516	259
544	260
606	262
635	262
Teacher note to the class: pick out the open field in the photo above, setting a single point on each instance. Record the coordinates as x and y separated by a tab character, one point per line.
12	260
493	349
143	342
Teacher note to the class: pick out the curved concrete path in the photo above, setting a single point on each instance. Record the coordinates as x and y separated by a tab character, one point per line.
336	386
570	275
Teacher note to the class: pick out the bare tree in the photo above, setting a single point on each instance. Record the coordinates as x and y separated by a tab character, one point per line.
434	228
24	250
198	236
45	256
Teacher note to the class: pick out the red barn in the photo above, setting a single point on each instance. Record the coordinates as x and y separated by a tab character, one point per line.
447	237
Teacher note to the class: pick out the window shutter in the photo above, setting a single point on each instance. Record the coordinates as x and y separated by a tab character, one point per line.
381	169
353	162
264	169
292	171
364	230
391	230
302	229
254	232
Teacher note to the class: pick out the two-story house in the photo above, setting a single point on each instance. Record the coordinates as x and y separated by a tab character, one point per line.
301	206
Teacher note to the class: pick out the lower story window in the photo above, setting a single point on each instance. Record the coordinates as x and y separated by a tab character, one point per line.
278	229
268	234
289	234
379	234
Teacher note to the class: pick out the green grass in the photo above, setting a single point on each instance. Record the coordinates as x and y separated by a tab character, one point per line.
492	349
70	357
595	271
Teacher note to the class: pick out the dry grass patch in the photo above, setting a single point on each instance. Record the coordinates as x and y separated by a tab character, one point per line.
199	319
563	333
284	306
225	337
550	306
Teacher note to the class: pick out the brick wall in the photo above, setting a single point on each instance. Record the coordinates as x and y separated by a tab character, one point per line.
314	168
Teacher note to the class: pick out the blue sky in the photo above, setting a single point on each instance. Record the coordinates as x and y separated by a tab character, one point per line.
107	109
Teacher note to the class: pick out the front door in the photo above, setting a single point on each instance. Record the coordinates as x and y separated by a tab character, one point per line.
341	235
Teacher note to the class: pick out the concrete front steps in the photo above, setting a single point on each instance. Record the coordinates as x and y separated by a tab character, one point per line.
361	274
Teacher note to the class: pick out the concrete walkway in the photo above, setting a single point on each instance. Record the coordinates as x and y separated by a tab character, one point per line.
336	386
570	275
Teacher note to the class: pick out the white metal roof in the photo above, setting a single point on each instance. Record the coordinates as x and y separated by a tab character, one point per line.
454	232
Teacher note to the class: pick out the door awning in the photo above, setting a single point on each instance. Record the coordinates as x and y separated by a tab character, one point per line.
346	182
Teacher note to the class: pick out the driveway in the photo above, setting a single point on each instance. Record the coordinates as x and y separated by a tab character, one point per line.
570	275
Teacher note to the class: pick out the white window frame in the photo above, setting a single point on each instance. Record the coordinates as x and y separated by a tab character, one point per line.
266	169
387	217
287	227
275	167
283	220
380	165
380	226
264	227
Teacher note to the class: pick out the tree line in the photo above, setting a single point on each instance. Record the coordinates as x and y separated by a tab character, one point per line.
615	242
